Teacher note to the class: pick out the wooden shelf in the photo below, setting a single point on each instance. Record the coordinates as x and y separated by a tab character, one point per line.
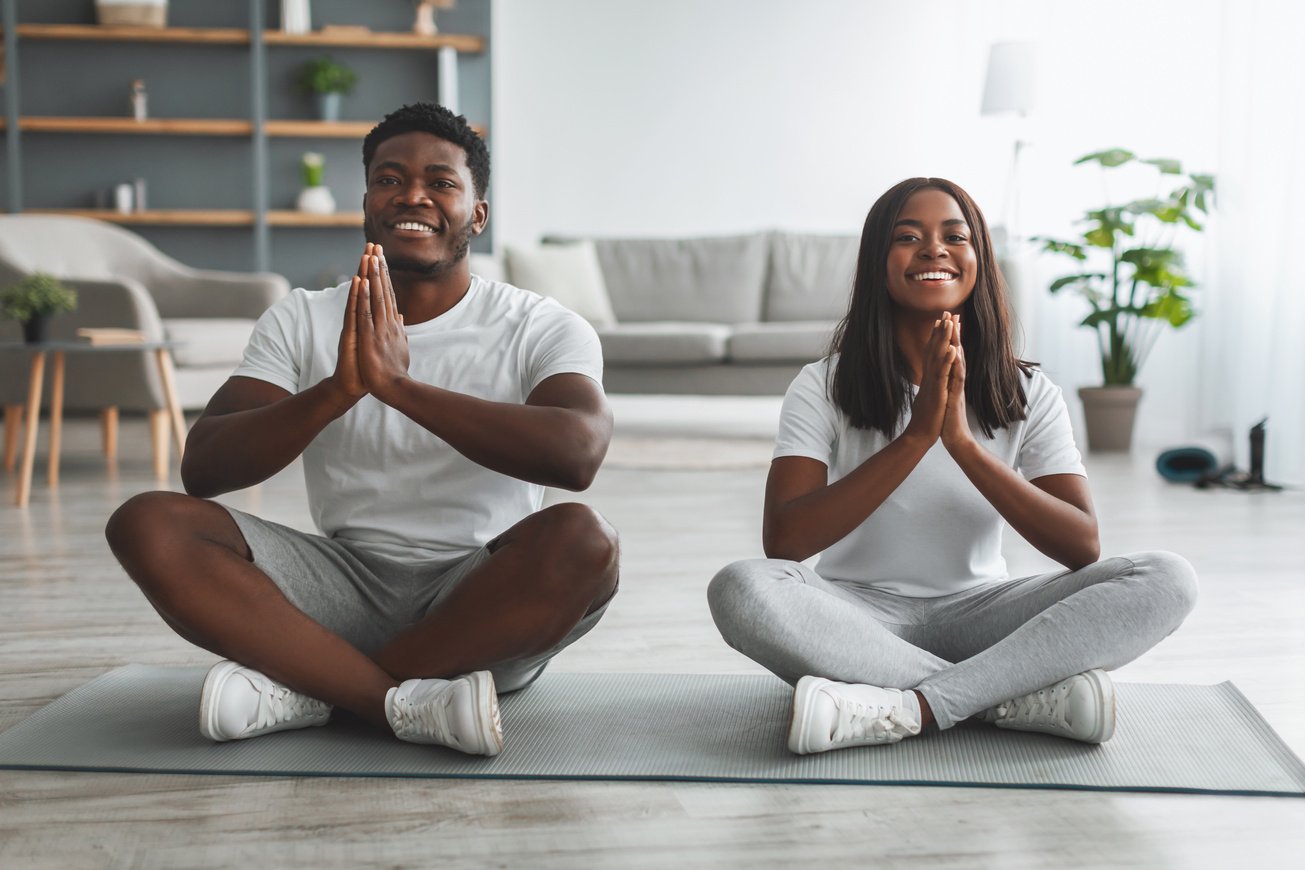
102	33
157	126
319	129
240	36
160	217
290	218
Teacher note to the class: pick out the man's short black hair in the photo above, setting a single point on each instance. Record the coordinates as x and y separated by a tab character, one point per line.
438	121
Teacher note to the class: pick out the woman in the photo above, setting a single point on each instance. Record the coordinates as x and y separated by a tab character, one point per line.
899	459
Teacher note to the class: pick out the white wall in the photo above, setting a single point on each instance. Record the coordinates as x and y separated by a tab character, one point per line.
680	117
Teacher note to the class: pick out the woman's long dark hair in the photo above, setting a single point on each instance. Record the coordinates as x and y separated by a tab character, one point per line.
870	382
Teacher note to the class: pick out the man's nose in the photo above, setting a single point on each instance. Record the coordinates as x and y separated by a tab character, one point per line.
414	194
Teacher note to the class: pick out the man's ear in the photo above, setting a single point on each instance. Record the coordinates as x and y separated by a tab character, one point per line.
480	217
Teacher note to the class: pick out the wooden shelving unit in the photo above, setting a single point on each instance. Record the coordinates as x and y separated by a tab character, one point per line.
340	38
290	218
199	127
160	217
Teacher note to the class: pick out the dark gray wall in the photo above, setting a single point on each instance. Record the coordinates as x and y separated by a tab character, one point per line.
62	170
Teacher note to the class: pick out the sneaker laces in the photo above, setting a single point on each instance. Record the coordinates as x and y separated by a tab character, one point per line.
1043	707
277	703
424	719
857	721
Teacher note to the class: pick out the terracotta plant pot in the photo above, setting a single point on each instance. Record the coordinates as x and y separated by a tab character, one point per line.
1109	413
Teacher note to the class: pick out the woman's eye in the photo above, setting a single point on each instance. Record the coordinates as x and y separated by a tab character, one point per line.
907	237
957	239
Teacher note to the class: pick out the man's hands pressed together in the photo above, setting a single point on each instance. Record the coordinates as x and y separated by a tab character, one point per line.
373	349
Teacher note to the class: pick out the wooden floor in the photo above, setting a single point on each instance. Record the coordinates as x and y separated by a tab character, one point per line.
68	614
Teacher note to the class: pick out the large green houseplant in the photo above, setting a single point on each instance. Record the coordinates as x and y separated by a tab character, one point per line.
1133	278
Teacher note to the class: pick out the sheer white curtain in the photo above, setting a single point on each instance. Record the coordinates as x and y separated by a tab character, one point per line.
1255	366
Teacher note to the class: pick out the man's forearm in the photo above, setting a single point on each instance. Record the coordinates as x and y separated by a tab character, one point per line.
542	444
231	451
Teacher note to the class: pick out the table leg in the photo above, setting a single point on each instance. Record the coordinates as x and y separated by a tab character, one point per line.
33	415
173	406
56	418
159	442
109	432
13	422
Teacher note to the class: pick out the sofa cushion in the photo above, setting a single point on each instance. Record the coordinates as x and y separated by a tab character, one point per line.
810	276
568	273
796	340
207	341
707	280
661	343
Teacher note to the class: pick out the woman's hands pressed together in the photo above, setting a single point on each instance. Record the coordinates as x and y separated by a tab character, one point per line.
956	432
934	400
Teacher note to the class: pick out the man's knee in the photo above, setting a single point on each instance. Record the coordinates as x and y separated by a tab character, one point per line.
580	546
154	528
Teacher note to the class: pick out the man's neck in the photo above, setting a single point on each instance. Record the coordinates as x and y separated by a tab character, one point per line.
421	299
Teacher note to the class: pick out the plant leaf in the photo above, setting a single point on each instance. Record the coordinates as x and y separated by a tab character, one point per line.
1166	165
1110	157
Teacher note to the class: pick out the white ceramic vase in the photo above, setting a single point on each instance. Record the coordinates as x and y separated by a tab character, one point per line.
316	200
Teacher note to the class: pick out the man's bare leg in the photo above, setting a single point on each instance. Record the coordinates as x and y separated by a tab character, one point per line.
192	563
546	574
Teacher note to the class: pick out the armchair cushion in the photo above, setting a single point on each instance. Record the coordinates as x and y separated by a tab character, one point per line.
661	343
208	341
796	340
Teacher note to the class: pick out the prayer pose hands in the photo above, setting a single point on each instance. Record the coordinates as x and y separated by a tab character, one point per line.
373	350
938	410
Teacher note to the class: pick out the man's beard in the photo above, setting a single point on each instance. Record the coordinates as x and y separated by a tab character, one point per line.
460	238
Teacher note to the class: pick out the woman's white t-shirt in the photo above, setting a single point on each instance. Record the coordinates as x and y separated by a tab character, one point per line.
935	534
377	479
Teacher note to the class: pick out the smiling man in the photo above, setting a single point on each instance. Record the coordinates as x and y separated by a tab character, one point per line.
431	408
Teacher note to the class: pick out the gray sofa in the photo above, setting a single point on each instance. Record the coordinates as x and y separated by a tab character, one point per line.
733	315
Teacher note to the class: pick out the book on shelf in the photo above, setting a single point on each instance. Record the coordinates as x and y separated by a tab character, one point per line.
111	335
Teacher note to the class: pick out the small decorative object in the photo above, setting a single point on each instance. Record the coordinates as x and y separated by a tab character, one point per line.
424	23
33	301
132	13
327	80
138	189
1136	287
296	16
316	197
123	197
139	100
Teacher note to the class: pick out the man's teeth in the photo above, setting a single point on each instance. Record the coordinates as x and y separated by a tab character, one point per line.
933	276
413	225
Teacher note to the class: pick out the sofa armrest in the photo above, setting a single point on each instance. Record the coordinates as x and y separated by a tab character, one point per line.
122	303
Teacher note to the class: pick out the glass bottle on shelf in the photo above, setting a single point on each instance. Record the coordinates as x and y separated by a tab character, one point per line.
139	100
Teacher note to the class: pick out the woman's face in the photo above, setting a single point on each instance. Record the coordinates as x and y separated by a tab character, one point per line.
932	265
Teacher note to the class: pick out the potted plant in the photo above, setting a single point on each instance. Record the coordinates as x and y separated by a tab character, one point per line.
34	300
1132	277
316	197
327	80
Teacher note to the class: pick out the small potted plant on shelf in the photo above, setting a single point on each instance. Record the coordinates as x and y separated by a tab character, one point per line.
316	197
33	301
1133	280
327	80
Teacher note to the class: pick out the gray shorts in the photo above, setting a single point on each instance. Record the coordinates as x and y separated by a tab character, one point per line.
369	600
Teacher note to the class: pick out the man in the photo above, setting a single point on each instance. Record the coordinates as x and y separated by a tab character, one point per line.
431	408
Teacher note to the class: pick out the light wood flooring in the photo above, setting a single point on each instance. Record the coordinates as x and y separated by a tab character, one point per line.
68	614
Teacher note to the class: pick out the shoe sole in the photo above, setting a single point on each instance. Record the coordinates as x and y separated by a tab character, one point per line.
1105	691
486	700
799	718
213	682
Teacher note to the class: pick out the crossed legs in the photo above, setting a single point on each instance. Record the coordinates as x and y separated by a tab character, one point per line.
191	561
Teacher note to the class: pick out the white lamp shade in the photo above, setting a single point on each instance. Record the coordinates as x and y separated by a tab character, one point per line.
1012	67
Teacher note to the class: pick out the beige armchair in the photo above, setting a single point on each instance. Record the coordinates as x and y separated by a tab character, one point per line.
124	281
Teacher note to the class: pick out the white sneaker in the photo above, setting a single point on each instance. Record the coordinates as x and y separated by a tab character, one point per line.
830	715
1080	708
238	702
461	714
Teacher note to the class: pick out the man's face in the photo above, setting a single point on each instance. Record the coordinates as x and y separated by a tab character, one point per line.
421	203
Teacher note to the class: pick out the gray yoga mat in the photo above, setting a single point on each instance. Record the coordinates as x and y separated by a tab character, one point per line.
1172	738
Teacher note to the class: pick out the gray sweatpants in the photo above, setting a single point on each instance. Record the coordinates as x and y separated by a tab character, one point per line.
964	652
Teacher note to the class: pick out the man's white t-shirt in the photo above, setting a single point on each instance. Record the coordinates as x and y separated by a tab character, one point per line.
935	534
386	484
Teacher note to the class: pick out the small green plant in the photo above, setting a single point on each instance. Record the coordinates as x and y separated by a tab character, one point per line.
312	165
1142	288
323	75
37	295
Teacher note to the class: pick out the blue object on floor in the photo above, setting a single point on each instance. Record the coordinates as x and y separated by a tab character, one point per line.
1185	464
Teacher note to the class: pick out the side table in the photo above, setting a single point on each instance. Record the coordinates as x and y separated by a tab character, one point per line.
162	351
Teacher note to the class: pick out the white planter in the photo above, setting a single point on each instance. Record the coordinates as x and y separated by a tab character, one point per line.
316	200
